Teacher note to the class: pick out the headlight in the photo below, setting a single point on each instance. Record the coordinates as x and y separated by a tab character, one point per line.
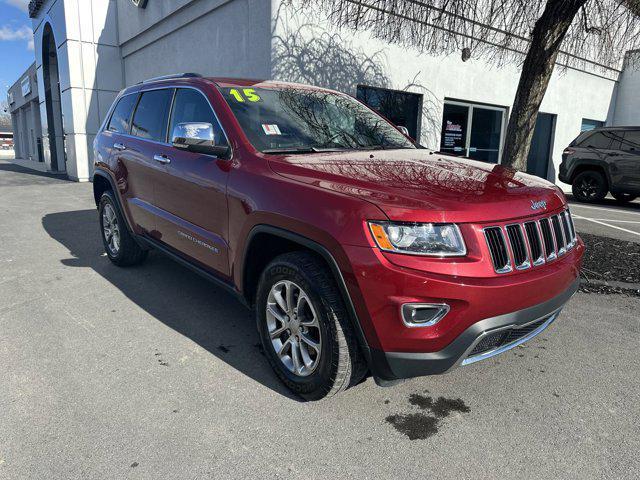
440	240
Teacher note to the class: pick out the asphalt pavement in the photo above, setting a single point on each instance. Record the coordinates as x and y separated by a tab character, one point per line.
151	372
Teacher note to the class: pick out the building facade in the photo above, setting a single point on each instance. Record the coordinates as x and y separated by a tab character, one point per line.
87	50
25	117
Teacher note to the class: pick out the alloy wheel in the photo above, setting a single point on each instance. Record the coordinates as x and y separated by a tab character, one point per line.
588	187
293	327
111	229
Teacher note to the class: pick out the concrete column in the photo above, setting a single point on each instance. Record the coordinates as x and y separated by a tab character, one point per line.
90	68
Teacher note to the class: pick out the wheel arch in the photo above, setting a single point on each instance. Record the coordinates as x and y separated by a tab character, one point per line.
586	165
253	264
103	181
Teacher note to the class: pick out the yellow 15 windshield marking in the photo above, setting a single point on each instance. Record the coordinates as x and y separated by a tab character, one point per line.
249	93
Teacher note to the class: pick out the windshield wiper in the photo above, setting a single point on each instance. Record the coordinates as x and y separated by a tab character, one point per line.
291	150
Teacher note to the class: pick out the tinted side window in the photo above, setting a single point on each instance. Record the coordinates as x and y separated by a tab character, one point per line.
597	140
192	106
150	119
119	122
631	142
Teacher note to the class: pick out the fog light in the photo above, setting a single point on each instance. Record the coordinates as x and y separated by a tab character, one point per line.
423	314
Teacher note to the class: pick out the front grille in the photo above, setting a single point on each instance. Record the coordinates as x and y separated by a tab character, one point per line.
498	249
502	338
530	244
518	247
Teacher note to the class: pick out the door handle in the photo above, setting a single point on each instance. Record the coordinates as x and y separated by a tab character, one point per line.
119	146
162	159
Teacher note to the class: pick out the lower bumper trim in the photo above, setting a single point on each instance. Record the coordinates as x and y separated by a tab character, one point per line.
395	365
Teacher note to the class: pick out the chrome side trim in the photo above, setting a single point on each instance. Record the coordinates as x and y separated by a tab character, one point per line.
503	348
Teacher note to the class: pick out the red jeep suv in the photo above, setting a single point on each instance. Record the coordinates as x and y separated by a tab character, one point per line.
359	250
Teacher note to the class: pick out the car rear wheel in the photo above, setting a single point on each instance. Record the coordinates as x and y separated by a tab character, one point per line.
624	197
589	186
305	330
119	244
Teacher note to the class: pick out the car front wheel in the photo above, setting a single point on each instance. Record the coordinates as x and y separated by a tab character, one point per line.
305	330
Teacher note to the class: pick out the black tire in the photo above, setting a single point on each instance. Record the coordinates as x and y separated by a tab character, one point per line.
340	362
589	186
624	197
128	252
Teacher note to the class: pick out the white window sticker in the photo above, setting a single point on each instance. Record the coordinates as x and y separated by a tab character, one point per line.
271	129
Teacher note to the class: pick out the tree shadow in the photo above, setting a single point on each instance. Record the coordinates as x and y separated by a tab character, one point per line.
174	295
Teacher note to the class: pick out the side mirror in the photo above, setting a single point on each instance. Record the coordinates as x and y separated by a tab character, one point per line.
404	130
197	137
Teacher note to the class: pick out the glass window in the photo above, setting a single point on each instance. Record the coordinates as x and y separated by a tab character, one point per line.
631	142
597	140
151	117
401	108
299	119
588	125
119	122
454	129
192	106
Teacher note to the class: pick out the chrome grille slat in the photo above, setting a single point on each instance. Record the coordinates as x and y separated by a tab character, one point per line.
559	236
535	243
518	247
498	249
549	245
530	244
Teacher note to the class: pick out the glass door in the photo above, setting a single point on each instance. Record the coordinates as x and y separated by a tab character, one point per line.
486	134
474	131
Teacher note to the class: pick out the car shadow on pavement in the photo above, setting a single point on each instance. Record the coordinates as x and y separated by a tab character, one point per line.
173	294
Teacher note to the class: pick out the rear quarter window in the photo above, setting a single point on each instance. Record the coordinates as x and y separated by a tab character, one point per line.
597	140
119	122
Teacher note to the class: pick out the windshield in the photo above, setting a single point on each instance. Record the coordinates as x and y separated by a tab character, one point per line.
297	120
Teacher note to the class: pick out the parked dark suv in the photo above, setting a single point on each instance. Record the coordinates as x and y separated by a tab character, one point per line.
603	160
358	250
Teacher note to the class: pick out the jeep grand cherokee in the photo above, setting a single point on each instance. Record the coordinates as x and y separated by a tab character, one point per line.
360	251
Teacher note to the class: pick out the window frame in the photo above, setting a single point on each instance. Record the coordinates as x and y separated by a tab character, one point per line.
213	110
470	106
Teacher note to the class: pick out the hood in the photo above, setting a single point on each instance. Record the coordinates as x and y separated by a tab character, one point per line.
425	186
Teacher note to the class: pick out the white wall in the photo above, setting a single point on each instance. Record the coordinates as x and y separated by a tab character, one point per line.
342	59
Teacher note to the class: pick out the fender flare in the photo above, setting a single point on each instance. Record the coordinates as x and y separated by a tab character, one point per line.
596	164
335	271
104	174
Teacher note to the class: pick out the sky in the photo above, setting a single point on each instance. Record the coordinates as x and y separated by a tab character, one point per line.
16	42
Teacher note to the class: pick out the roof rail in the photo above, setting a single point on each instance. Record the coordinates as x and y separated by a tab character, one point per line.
173	75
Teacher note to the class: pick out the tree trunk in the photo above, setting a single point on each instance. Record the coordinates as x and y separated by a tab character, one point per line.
546	39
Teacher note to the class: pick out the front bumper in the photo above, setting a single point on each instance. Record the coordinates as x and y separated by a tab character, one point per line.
481	340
